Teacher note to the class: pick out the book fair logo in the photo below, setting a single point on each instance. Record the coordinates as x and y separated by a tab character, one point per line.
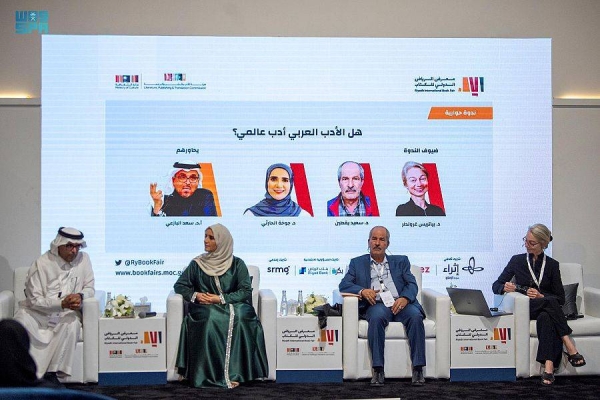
502	334
329	336
153	338
472	84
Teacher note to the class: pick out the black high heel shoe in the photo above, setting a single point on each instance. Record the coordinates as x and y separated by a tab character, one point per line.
576	360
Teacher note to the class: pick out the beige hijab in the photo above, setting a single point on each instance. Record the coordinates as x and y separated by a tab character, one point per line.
216	263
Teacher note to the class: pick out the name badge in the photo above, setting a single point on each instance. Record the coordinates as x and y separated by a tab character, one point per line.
387	298
54	320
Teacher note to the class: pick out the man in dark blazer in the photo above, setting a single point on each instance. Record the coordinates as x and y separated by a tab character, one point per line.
388	292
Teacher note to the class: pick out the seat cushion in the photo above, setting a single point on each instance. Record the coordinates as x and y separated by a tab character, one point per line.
395	330
586	326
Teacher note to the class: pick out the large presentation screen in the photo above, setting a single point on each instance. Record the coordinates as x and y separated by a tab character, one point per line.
299	146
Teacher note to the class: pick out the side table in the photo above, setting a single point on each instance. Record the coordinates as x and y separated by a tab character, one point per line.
132	351
482	349
306	353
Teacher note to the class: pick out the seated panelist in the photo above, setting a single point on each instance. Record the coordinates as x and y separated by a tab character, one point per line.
222	341
388	292
57	283
539	277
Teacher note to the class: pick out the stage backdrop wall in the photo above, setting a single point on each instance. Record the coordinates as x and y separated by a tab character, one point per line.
575	62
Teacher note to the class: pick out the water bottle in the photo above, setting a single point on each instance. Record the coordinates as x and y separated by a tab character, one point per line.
300	303
283	310
108	306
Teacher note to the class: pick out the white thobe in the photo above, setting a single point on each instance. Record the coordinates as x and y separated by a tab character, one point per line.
54	331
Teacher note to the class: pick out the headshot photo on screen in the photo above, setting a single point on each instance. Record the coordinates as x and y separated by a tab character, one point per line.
187	197
279	183
416	179
353	199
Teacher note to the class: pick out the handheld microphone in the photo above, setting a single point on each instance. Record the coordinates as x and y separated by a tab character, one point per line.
144	314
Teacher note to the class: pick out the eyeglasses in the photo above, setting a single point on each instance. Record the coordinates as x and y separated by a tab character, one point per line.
71	246
183	177
530	243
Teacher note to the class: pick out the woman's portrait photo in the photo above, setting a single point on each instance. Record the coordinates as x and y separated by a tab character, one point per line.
416	180
279	182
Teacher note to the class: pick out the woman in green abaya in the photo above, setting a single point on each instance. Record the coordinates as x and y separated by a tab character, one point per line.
222	341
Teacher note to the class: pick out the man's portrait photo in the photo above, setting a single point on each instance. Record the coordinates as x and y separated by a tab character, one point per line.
357	196
187	197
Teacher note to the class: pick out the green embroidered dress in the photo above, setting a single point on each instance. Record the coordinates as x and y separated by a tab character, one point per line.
220	343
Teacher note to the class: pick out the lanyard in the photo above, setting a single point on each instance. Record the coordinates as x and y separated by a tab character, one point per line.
380	272
537	282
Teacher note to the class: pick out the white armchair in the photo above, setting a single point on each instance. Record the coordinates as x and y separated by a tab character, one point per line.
356	353
265	304
85	362
586	330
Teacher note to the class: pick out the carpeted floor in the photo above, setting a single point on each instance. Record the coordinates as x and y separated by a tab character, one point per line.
564	388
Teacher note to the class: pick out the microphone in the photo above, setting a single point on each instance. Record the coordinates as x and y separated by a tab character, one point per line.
144	314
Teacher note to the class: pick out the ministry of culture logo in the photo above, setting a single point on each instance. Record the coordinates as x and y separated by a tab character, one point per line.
127	78
127	81
31	21
115	353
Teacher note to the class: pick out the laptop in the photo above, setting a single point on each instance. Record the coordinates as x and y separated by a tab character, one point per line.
472	302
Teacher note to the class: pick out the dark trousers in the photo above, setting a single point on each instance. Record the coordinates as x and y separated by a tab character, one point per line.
551	327
379	317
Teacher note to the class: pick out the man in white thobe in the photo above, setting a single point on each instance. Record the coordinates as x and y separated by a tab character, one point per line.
57	283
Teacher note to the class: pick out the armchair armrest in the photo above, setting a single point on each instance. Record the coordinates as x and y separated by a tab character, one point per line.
518	304
437	308
268	319
174	320
591	296
350	337
7	302
91	316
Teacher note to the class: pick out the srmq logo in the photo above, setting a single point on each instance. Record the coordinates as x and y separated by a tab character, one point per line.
279	270
473	84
